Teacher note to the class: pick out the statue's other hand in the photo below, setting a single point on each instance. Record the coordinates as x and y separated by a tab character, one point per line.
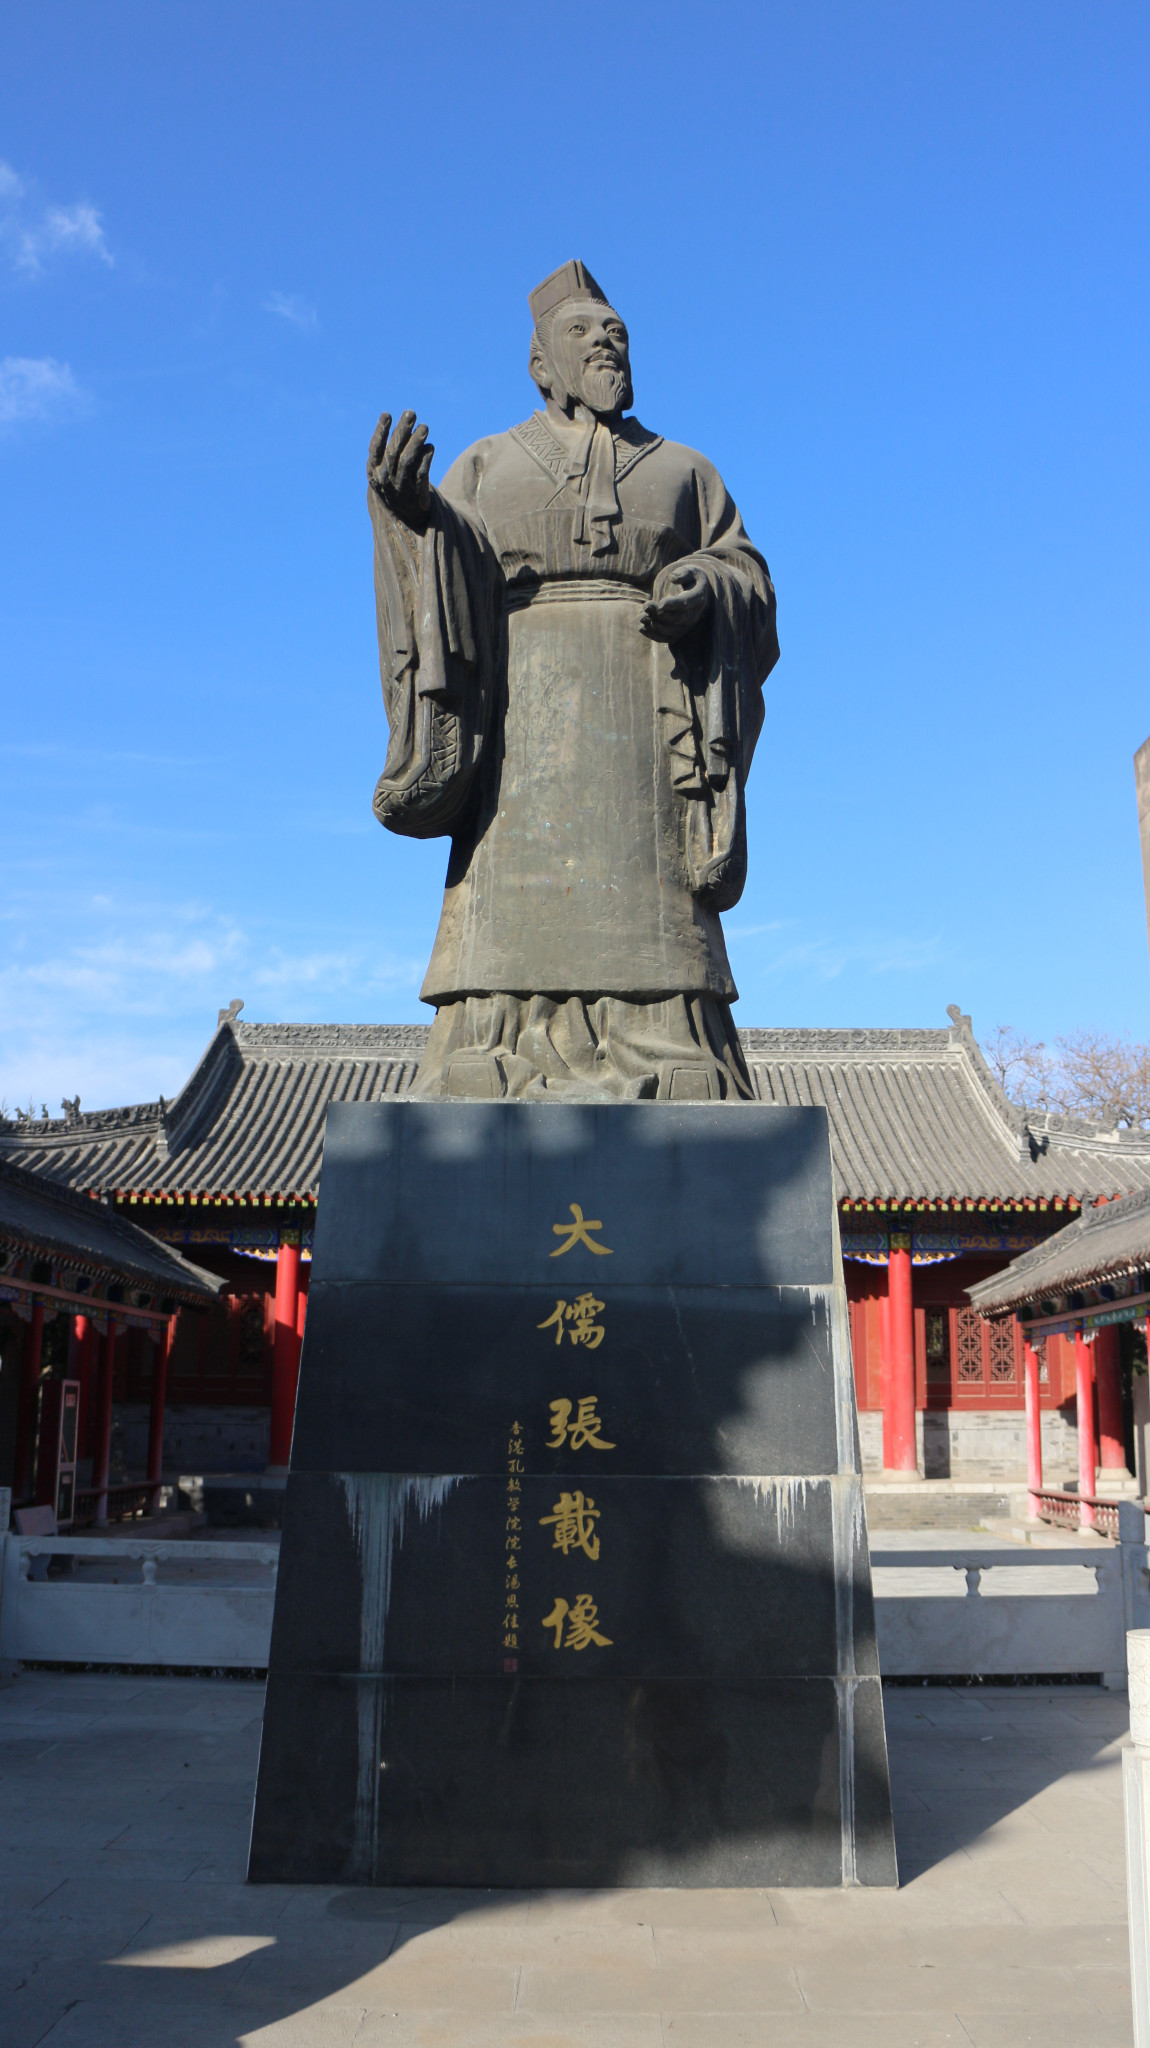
684	597
399	467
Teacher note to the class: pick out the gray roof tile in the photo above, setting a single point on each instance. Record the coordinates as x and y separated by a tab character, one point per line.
913	1114
1110	1241
38	1215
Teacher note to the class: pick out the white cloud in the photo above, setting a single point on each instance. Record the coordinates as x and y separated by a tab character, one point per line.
116	997
826	957
75	227
288	307
37	388
33	232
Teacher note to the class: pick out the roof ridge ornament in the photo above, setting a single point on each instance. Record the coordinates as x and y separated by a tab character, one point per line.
1011	1113
229	1015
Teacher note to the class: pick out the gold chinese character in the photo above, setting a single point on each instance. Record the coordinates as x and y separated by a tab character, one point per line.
578	1233
581	1314
512	1543
511	1642
582	1430
561	1309
512	1522
581	1624
573	1518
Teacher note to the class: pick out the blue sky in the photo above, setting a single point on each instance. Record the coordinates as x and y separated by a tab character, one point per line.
884	263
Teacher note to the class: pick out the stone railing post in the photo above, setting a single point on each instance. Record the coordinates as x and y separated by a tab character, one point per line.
1136	1801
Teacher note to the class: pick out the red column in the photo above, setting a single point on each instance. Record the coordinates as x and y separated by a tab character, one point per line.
301	1299
1087	1446
884	1379
1108	1376
903	1450
102	1446
1033	1430
29	1384
156	1411
83	1373
285	1355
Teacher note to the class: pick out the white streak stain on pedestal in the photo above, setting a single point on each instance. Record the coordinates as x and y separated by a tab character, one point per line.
377	1504
786	1492
848	1517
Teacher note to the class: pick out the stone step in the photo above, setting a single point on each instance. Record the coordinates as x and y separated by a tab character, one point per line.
923	1508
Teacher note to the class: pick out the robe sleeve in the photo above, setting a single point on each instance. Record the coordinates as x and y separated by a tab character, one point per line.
438	596
724	664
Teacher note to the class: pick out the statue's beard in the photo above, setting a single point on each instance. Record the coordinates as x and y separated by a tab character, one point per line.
604	390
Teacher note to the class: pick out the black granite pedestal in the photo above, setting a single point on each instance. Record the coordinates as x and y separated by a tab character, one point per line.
574	1587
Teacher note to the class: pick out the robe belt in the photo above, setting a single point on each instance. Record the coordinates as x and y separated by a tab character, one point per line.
573	589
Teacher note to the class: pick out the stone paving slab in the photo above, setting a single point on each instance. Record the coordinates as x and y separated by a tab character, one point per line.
125	1921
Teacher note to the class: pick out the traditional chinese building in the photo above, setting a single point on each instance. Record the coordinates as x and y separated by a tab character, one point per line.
941	1182
81	1288
1084	1288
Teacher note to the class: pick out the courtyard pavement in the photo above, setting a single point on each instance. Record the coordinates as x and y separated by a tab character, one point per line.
125	1921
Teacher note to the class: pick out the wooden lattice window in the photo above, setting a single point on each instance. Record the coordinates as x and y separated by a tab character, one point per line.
968	1348
987	1359
1000	1343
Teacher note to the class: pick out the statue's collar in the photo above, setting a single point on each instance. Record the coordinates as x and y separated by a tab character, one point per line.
536	435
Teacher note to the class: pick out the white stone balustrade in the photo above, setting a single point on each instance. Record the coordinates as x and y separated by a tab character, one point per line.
119	1600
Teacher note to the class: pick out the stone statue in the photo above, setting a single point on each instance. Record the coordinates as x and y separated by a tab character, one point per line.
574	631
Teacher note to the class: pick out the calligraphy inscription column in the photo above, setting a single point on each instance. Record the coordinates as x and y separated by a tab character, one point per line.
575	1622
512	1545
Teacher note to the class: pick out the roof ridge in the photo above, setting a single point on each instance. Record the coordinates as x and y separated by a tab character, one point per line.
1052	1123
82	1123
386	1036
1103	1212
847	1040
185	1115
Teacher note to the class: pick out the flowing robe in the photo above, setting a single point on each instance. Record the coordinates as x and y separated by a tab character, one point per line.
592	779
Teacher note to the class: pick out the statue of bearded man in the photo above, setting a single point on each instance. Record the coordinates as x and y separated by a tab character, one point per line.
574	632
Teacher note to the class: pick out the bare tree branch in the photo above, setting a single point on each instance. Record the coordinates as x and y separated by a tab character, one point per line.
1089	1074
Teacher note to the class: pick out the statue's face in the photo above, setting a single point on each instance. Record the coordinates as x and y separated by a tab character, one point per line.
589	350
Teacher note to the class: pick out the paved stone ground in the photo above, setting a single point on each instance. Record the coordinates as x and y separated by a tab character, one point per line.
125	1922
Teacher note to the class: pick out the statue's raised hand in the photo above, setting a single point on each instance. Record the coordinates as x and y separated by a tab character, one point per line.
681	598
399	468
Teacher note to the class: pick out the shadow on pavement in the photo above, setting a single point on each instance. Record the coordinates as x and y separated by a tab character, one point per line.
965	1758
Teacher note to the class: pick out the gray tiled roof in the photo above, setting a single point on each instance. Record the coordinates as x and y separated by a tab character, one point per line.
1109	1242
249	1121
39	1216
918	1113
914	1114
